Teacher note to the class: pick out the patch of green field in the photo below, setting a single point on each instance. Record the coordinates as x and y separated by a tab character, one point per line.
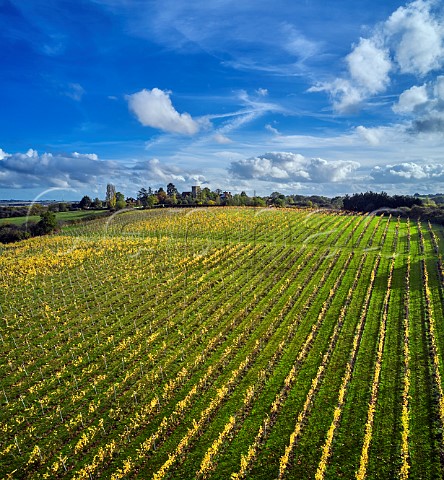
60	216
19	220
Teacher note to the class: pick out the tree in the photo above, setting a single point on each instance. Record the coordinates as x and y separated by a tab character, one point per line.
277	199
207	195
97	203
85	203
171	190
147	198
37	209
120	201
258	202
337	202
172	194
111	196
152	200
370	201
142	196
161	195
47	224
12	233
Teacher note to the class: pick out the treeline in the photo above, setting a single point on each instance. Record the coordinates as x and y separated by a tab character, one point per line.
12	212
150	198
35	209
432	213
427	207
10	233
371	201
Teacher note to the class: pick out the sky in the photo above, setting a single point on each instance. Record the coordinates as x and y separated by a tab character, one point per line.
311	97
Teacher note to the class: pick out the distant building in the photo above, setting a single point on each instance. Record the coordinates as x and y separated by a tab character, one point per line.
196	191
225	195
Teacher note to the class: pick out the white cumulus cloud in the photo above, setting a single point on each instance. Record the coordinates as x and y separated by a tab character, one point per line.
155	171
3	154
372	136
368	73
71	170
408	172
369	66
345	96
417	37
289	167
425	106
409	42
153	108
410	99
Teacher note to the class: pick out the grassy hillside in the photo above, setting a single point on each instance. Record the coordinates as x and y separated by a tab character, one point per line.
224	343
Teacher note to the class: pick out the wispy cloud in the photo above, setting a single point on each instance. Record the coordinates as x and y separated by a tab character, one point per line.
263	92
225	29
272	130
75	91
220	126
297	44
155	172
222	139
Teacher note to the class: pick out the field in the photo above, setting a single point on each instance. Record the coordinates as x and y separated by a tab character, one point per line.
60	216
225	344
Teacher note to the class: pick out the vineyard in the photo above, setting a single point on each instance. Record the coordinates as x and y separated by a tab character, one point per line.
224	343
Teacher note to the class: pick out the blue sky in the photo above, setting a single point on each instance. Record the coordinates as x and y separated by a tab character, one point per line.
311	97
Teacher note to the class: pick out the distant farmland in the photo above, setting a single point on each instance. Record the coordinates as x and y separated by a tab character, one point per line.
60	216
225	344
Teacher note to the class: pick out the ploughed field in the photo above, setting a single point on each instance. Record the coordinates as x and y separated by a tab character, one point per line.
224	343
